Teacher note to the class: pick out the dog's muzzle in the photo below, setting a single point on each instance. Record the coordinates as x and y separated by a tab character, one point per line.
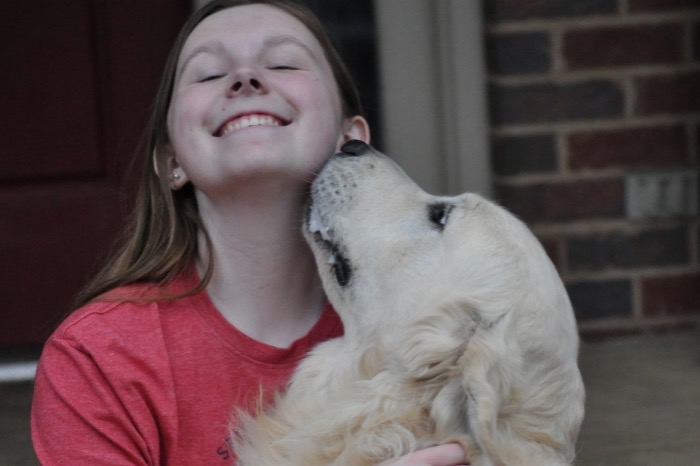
322	233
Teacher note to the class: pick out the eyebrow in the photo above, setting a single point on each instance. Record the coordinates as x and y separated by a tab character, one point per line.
212	48
280	40
215	47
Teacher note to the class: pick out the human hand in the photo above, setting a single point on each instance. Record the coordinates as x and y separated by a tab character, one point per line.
450	454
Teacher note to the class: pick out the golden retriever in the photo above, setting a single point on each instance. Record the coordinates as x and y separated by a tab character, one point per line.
457	328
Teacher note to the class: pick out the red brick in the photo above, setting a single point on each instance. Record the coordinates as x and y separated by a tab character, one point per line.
623	46
668	94
674	295
551	247
698	235
512	155
519	53
547	202
658	248
547	102
637	6
601	299
503	10
659	146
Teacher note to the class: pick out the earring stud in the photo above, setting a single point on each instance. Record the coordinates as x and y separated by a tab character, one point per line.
175	177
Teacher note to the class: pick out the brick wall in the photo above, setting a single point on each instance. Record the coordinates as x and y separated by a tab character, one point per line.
582	93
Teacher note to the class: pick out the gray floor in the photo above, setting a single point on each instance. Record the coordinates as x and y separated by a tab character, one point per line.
15	446
643	401
643	404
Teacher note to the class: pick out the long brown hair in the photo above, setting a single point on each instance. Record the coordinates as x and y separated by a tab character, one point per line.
160	240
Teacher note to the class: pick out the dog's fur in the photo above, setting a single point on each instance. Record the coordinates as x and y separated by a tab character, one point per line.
459	331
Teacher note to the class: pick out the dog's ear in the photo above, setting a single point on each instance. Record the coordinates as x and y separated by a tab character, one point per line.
433	345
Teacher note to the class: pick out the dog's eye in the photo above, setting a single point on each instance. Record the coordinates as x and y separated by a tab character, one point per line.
439	213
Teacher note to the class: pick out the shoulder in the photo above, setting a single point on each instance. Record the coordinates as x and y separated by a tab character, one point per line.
134	309
125	309
107	361
115	341
136	321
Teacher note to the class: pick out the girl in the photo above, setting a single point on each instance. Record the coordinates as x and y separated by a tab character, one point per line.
214	296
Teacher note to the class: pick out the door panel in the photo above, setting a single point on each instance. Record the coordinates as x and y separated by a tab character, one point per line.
49	113
78	80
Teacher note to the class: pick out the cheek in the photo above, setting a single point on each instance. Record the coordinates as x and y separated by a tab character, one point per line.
323	125
182	119
319	96
330	100
328	121
188	107
179	116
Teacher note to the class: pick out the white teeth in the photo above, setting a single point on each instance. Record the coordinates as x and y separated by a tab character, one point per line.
249	120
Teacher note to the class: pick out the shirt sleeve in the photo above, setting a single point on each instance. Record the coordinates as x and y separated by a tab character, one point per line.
94	404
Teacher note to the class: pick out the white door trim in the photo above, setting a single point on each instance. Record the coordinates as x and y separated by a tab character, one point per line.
433	92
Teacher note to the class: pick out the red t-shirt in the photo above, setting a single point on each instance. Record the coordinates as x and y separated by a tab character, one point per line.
153	383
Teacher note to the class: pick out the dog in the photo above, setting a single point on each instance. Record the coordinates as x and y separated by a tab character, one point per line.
457	329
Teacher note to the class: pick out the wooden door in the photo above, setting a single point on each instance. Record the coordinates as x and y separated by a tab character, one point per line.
77	78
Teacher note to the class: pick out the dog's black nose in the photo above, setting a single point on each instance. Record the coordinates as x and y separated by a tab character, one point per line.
354	147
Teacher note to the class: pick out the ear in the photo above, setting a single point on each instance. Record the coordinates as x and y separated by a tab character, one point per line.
166	160
432	346
354	128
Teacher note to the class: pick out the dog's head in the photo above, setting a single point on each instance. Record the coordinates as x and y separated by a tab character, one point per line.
387	251
447	284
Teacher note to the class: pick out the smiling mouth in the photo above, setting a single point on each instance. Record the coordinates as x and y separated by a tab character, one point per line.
248	121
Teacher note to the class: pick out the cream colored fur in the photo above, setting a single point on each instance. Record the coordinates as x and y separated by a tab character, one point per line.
457	333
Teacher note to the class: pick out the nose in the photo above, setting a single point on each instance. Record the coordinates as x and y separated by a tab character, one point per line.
354	147
247	82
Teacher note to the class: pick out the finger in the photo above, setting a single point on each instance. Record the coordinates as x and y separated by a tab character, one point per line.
450	454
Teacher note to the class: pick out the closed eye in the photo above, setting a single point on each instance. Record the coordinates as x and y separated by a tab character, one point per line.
283	68
439	214
211	78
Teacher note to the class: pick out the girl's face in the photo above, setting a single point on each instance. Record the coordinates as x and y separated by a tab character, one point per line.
253	96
